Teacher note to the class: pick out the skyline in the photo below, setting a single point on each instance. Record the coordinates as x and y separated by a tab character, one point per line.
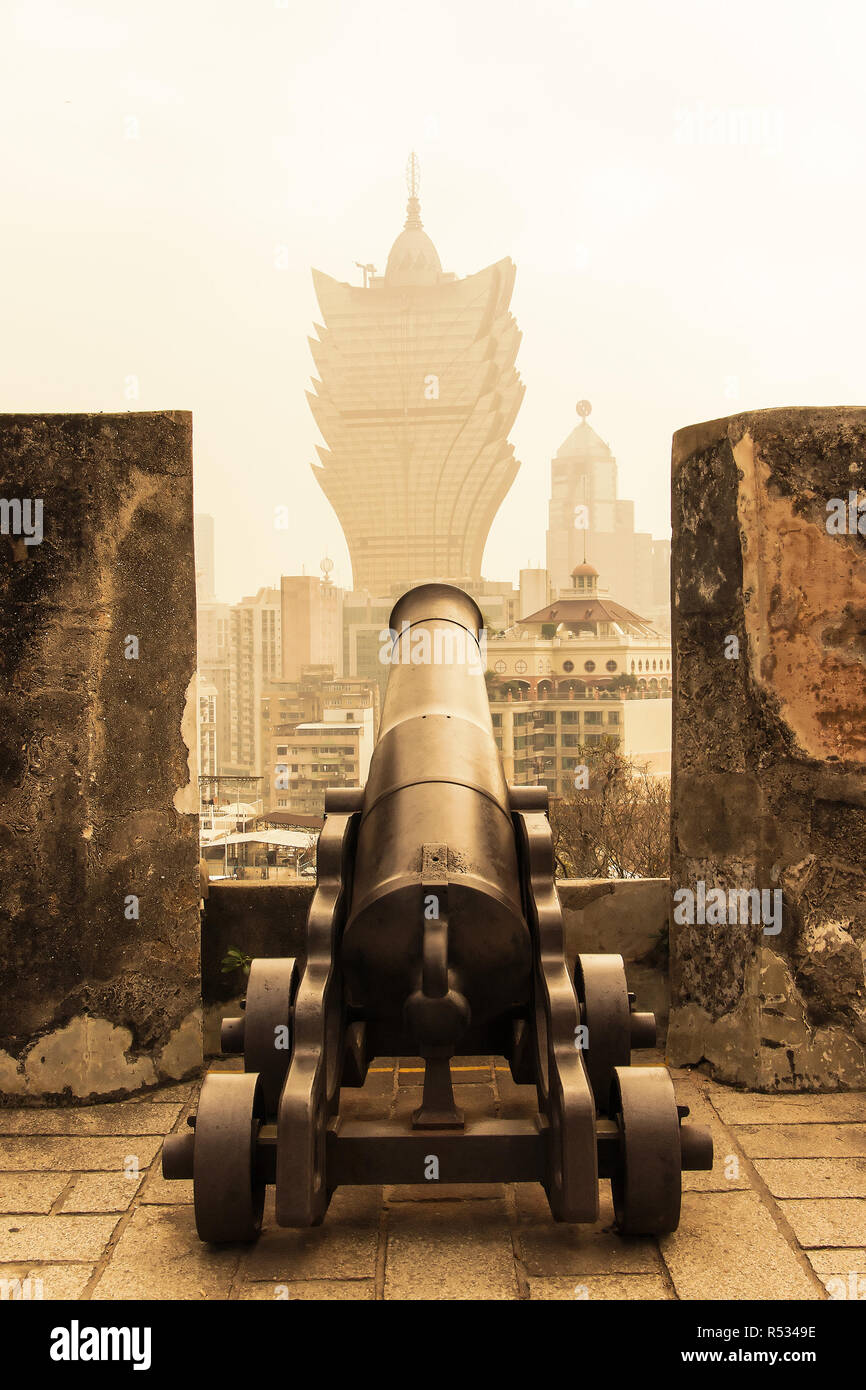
684	217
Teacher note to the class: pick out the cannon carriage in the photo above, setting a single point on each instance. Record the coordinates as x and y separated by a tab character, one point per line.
436	931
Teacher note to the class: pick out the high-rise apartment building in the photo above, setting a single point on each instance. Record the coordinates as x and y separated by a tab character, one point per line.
319	732
255	653
415	394
311	624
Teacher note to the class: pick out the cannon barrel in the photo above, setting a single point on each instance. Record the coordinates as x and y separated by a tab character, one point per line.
436	826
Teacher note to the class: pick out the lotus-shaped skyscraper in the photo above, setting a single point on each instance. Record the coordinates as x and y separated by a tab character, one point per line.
415	394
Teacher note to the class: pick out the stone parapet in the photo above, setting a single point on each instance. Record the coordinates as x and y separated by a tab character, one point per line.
769	748
99	919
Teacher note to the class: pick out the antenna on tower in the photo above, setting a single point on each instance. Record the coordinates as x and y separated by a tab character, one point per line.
413	175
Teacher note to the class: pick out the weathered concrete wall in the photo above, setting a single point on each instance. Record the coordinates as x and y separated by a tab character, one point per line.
769	775
628	916
98	798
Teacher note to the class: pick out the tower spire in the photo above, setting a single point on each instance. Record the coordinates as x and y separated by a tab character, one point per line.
413	187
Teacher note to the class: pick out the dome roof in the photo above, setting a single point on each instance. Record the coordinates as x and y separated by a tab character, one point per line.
414	259
585	568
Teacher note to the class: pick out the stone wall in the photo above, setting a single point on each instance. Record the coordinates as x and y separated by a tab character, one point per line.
769	747
99	922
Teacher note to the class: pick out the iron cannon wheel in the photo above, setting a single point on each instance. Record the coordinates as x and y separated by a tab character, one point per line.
647	1187
268	1024
229	1197
602	992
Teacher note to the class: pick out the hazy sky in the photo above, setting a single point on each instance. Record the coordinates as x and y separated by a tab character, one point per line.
681	186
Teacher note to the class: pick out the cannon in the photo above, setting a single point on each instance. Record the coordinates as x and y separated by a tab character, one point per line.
436	931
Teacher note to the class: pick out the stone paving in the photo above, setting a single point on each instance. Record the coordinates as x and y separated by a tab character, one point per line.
86	1213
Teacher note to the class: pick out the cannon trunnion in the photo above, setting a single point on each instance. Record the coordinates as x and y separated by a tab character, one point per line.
436	930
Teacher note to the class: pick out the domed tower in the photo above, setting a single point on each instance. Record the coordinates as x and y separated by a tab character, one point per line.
415	394
589	521
584	580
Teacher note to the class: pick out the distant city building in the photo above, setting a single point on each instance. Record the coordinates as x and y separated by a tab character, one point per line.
583	639
580	669
255	653
320	733
415	394
215	667
205	579
311	623
208	743
364	621
534	590
541	740
587	520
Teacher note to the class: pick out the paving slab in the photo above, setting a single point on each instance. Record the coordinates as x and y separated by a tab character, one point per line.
700	1109
845	1286
379	1081
802	1140
837	1222
728	1173
514	1101
551	1248
53	1153
343	1247
476	1102
31	1192
833	1260
728	1247
358	1105
411	1071
745	1107
459	1250
165	1094
641	1287
101	1192
444	1192
123	1118
76	1238
157	1190
159	1255
48	1281
813	1177
330	1290
473	1069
